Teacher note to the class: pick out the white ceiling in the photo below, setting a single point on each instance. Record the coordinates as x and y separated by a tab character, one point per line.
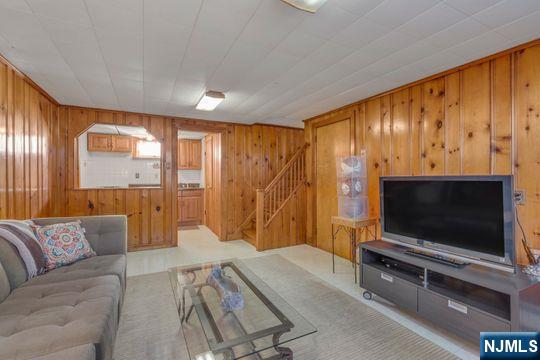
276	64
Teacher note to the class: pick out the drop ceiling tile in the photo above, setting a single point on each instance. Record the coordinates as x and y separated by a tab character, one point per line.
483	45
158	77
241	59
98	88
525	26
275	64
328	21
300	43
161	91
471	7
226	17
360	33
271	23
15	5
125	72
112	16
431	21
438	62
506	11
188	92
330	53
405	75
457	33
83	57
73	11
201	60
393	13
164	32
357	7
415	52
162	57
388	44
153	106
20	26
178	13
62	32
121	49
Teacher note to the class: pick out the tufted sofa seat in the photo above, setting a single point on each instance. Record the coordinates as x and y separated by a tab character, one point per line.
71	312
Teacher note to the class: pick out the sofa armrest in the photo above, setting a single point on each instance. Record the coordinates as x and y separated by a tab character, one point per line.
106	233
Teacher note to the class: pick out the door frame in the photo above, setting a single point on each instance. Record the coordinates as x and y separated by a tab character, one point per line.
351	115
216	128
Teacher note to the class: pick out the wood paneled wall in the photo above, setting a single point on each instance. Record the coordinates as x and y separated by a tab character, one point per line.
37	164
27	120
482	118
250	157
260	152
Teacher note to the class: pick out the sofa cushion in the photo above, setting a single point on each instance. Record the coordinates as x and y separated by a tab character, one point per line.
83	352
12	263
41	319
63	244
84	269
5	287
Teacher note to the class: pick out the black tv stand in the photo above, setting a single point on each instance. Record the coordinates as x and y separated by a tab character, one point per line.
466	300
437	258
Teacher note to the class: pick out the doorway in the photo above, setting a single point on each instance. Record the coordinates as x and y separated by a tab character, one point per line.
199	176
333	139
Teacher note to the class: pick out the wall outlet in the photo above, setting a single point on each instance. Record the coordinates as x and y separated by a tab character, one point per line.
519	197
137	175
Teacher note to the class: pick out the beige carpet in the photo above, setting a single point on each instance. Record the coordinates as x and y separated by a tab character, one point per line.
347	329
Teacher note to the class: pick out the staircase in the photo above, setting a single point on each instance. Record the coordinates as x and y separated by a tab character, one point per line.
272	200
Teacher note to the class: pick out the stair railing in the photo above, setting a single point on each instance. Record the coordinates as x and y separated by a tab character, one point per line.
274	197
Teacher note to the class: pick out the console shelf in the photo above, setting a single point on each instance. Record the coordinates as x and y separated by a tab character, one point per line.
466	300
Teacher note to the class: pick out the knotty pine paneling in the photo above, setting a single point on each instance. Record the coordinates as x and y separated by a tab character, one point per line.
38	167
482	118
250	158
27	120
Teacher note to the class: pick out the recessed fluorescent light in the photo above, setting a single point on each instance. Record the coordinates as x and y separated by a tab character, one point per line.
210	100
306	5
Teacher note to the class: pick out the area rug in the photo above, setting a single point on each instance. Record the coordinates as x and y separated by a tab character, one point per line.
347	329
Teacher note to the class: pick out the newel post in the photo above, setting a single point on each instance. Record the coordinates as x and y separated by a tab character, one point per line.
259	225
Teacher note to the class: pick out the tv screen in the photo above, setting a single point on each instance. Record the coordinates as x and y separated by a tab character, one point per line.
464	214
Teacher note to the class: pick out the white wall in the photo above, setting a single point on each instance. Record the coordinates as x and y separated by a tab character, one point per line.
99	169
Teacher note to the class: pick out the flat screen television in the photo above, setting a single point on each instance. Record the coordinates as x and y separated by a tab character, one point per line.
468	218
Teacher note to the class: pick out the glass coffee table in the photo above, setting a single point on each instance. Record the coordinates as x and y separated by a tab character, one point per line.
256	331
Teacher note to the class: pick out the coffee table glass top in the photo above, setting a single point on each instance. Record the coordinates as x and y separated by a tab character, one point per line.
260	326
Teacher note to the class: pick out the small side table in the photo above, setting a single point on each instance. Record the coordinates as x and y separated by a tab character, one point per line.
350	226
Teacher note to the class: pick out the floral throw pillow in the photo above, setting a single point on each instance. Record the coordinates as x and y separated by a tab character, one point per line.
63	244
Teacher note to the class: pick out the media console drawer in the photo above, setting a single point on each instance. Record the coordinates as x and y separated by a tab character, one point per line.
389	287
456	316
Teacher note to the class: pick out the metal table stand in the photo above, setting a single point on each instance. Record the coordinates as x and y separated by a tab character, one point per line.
351	226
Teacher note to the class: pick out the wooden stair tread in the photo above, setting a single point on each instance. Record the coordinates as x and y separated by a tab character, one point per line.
251	233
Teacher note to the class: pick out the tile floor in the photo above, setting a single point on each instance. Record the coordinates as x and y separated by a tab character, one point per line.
202	245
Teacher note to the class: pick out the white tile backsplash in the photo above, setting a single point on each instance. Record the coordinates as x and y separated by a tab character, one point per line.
100	169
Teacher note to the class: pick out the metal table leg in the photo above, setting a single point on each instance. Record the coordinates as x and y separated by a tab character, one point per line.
353	237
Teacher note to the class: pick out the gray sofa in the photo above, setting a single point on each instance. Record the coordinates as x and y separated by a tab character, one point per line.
71	312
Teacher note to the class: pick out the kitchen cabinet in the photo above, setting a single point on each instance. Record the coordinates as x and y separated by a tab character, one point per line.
190	206
109	143
189	154
99	142
121	143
